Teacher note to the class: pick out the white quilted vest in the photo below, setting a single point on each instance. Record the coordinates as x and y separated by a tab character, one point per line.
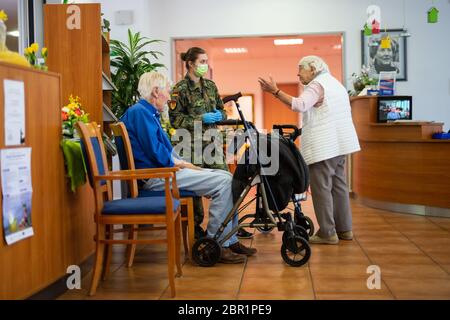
328	130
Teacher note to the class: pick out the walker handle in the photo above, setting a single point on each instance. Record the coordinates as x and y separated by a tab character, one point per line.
294	135
234	98
232	122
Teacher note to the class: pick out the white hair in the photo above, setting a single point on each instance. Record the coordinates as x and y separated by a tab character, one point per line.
314	61
150	80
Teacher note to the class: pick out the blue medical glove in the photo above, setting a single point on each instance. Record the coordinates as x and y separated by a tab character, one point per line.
218	116
209	118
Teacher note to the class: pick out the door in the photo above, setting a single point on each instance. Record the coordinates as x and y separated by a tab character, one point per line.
276	112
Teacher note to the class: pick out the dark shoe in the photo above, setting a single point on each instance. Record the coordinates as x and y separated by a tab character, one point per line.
239	248
230	257
244	234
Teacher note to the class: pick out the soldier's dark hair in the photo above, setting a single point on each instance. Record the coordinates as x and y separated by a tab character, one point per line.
191	55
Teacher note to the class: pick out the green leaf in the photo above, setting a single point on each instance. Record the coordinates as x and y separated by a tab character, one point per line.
129	61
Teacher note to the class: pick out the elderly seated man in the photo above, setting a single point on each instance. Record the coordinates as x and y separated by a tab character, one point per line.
152	149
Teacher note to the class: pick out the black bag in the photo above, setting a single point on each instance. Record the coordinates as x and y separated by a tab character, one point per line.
292	176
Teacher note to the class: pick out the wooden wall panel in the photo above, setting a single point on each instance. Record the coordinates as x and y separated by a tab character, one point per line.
76	54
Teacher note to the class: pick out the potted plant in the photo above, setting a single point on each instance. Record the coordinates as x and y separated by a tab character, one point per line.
362	80
71	114
129	61
32	57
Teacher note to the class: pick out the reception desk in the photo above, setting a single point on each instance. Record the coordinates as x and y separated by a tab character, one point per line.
400	167
63	221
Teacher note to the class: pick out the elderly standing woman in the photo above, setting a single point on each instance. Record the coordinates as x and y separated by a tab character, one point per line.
328	136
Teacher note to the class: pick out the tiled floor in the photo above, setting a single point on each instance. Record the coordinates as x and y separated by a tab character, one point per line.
413	253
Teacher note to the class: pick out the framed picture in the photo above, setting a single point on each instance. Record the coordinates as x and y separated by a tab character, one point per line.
380	59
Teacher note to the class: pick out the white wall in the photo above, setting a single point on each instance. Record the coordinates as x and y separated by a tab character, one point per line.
428	47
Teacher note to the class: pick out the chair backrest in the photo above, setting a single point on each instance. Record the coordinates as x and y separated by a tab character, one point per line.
125	153
95	157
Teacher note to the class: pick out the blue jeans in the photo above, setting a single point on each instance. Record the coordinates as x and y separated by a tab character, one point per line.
214	184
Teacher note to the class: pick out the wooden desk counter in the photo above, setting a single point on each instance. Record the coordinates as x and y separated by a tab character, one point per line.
63	222
399	166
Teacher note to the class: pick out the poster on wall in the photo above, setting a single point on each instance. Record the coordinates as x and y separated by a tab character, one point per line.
14	112
17	193
386	83
379	57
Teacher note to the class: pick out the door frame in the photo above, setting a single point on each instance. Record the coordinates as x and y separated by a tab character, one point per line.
173	58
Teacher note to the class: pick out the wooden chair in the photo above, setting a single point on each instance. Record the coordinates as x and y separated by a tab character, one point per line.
126	159
131	211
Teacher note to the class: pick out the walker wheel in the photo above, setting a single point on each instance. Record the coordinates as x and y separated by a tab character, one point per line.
206	252
265	229
296	252
305	222
299	231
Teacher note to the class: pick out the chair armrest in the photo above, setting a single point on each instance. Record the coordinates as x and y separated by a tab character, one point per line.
149	170
133	174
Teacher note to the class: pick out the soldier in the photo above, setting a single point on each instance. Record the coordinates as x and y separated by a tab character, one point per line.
198	103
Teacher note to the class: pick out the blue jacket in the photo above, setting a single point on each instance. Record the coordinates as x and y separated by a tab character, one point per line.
150	144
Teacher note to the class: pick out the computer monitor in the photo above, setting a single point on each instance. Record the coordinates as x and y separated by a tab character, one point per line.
394	108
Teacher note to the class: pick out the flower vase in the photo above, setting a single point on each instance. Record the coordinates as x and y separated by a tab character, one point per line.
358	85
2	36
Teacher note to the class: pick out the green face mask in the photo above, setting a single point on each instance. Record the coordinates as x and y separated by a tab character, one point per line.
201	70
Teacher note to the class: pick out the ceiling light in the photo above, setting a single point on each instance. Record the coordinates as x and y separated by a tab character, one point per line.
235	50
14	33
287	42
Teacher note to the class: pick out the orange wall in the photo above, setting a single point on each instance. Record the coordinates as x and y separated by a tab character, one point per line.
241	75
240	72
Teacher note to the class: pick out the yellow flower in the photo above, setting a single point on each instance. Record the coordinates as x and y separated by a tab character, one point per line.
44	52
3	16
28	51
34	47
72	106
172	131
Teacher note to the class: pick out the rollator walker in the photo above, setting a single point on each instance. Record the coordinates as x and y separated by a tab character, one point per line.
268	215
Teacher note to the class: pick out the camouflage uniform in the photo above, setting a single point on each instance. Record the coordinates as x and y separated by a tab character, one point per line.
192	102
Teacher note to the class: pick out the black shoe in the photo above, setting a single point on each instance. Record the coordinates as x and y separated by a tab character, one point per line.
239	248
244	234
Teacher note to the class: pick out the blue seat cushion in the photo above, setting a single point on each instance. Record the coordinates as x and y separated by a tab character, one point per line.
151	193
132	206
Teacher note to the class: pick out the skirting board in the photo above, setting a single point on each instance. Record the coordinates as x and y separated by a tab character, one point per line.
59	287
420	210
